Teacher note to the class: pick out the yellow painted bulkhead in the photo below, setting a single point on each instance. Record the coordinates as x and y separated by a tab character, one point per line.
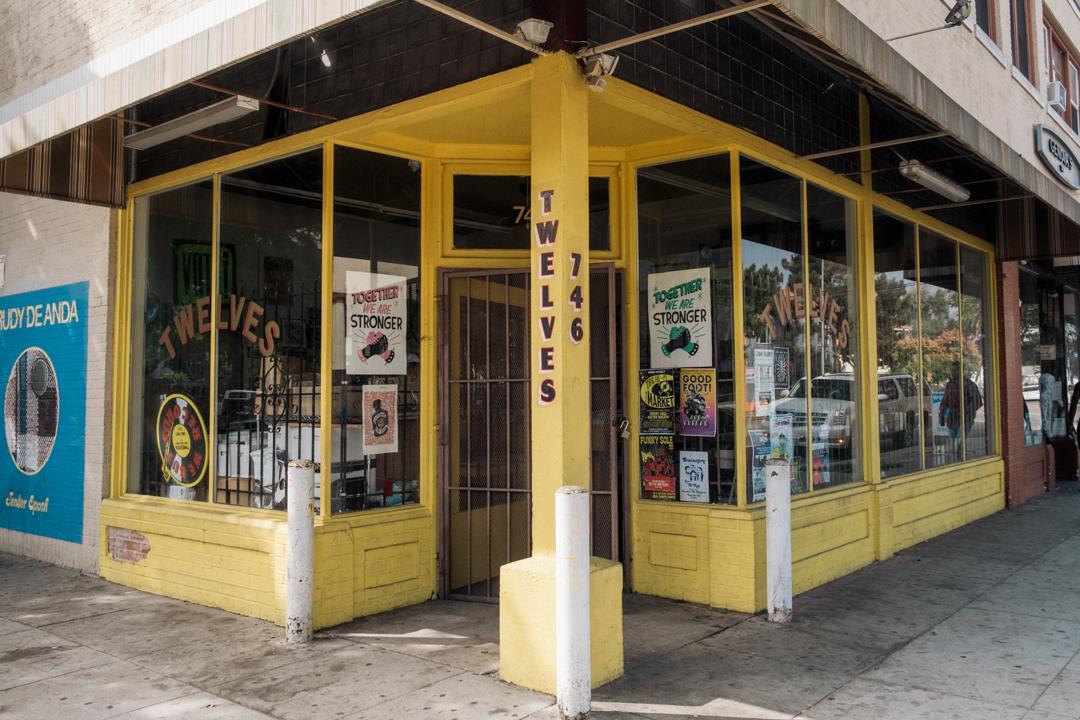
375	560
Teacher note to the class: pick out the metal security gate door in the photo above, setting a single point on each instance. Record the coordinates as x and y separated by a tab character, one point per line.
484	427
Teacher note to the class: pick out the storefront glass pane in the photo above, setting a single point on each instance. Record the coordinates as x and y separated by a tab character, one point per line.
684	226
376	315
899	380
491	212
269	328
1030	363
170	343
833	309
976	364
774	320
939	317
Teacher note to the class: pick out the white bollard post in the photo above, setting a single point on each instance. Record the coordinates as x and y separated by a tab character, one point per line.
573	652
300	553
778	539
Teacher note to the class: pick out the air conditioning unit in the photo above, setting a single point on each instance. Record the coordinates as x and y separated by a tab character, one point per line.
1055	92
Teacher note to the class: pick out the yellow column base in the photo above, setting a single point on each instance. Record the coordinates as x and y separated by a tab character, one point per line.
527	622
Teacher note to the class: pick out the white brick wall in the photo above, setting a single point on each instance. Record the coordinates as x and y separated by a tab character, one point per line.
39	44
49	243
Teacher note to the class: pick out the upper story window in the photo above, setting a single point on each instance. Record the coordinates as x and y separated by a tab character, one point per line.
1062	66
1020	14
985	18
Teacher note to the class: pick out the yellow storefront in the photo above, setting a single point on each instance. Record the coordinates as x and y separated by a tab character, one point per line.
830	288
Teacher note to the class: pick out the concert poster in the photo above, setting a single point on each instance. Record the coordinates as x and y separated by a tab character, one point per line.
657	457
697	402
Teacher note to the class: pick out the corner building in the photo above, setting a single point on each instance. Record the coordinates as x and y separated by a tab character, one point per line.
432	261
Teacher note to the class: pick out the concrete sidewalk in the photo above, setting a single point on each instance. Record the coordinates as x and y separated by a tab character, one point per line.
981	623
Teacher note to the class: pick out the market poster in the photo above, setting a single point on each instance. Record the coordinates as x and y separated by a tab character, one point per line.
764	388
935	419
820	464
43	341
759	440
781	369
697	402
680	319
694	476
656	453
375	324
780	426
380	419
657	402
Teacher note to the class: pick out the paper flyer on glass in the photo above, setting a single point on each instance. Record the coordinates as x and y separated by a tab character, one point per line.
656	455
697	402
759	441
380	419
375	325
764	388
656	402
694	476
680	319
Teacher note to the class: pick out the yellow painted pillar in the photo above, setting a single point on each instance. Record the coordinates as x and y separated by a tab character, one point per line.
560	396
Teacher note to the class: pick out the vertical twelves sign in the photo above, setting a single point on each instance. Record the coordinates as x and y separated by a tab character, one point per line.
546	233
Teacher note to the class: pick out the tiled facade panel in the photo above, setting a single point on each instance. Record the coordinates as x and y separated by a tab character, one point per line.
733	70
377	59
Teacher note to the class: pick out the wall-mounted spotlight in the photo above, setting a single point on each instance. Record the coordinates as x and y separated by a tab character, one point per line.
915	170
533	30
598	67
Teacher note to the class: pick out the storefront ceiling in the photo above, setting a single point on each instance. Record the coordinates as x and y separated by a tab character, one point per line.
507	121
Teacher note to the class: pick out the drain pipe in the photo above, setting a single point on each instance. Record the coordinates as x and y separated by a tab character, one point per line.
300	553
778	539
573	651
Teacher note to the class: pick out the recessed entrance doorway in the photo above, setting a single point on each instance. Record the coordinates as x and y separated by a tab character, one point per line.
485	453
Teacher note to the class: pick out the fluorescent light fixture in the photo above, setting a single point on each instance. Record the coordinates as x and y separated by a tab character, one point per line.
533	30
915	170
224	111
325	59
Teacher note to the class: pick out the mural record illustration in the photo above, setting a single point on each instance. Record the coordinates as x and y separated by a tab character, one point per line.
43	338
31	410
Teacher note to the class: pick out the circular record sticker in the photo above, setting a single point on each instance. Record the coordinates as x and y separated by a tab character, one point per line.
181	439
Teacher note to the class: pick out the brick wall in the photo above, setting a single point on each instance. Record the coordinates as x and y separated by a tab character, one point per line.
49	243
1026	468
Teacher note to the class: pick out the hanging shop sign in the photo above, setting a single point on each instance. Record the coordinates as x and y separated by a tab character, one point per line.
657	402
380	419
697	402
181	440
43	338
375	324
680	319
1057	156
694	476
657	457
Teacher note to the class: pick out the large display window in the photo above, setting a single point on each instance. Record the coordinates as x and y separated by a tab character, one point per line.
227	368
934	345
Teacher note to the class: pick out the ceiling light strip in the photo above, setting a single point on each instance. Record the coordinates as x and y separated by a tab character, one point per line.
264	101
728	12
